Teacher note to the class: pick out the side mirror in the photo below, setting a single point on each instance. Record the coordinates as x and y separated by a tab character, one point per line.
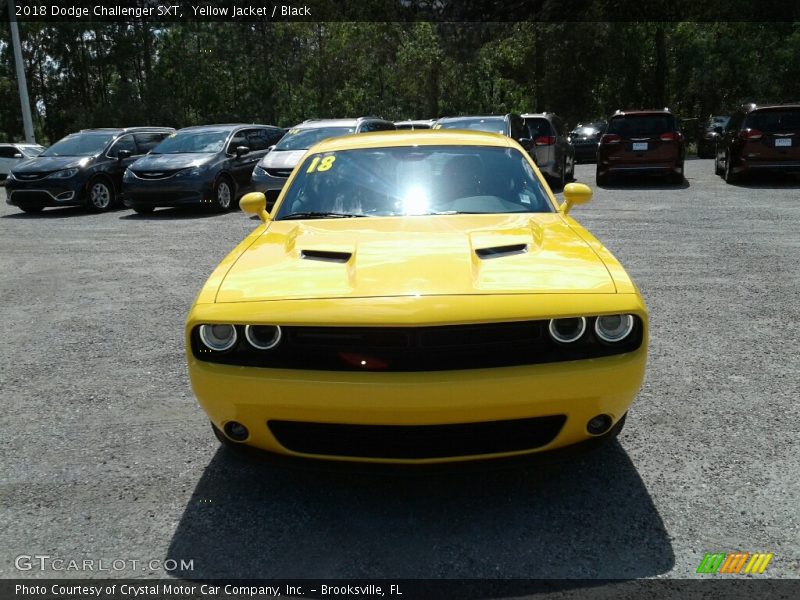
526	143
255	203
241	151
271	148
575	193
123	154
18	155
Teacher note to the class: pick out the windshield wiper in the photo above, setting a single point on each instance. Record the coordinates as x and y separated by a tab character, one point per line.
318	215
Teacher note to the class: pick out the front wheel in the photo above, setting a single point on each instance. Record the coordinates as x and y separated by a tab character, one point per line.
729	176
101	195
223	195
717	168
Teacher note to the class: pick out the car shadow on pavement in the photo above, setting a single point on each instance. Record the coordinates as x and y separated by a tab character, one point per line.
590	517
53	213
176	213
643	182
769	181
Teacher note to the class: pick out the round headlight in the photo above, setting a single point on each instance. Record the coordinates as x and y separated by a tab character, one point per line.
613	328
567	331
263	337
218	337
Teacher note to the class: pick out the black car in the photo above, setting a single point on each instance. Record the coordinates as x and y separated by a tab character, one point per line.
552	147
585	139
208	166
710	134
510	125
759	138
82	169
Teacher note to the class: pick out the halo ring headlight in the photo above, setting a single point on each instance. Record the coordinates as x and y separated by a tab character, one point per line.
218	338
613	328
263	337
567	331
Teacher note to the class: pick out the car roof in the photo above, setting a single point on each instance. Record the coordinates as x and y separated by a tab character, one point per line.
542	115
642	111
415	122
752	106
423	137
453	118
123	129
345	122
226	126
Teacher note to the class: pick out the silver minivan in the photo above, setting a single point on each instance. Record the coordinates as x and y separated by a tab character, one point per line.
12	154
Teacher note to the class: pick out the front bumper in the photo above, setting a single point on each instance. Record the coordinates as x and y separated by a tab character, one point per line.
44	192
268	184
170	191
316	401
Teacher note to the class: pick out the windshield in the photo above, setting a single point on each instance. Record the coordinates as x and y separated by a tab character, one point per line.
423	180
642	126
488	124
79	144
193	142
774	121
303	139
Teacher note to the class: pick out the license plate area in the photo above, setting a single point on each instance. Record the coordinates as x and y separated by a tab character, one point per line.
639	146
783	142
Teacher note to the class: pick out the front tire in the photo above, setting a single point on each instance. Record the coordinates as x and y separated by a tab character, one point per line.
601	179
729	176
223	194
676	177
100	196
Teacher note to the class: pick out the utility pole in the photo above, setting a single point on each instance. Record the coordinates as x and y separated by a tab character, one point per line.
22	83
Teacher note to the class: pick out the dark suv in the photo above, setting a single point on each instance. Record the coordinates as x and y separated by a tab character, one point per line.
709	135
83	169
510	125
552	148
759	138
585	139
209	165
641	141
274	169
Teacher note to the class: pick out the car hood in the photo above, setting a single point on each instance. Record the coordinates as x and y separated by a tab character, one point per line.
416	256
282	159
171	162
47	164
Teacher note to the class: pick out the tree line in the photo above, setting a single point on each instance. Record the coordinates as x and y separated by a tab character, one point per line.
187	73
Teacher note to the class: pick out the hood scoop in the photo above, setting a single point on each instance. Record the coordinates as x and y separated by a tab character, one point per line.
501	251
326	256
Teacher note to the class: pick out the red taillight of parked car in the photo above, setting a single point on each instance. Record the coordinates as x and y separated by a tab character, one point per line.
750	134
610	138
669	136
545	140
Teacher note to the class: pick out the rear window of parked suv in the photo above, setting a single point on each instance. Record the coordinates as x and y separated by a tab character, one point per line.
774	120
641	125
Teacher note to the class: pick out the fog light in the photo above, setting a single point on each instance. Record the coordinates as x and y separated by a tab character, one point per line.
599	424
236	431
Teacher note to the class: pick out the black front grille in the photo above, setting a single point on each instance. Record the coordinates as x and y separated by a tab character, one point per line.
31	196
437	348
30	176
417	441
155	174
279	172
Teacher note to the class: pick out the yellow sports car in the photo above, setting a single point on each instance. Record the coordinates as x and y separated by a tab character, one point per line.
417	297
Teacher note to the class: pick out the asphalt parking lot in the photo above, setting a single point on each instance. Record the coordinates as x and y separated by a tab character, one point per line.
105	454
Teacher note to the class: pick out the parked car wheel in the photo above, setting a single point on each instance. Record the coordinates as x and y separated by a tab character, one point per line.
100	196
677	176
223	194
601	179
729	175
717	168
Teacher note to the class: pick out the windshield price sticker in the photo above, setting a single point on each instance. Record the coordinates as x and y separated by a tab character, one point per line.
319	165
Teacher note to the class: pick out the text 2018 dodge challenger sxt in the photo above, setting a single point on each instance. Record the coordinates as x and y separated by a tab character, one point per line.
417	297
